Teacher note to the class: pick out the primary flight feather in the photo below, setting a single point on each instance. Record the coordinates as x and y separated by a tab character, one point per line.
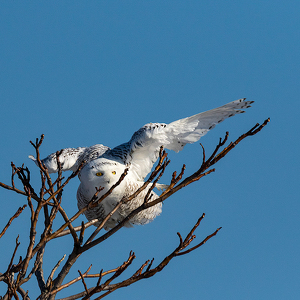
104	166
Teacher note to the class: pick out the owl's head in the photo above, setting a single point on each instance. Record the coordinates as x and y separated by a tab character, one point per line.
101	172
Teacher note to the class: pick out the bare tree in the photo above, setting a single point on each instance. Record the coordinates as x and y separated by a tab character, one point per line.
48	204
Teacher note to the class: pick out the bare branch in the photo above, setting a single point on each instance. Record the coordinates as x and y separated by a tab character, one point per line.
139	274
34	219
162	170
100	277
14	253
67	231
81	233
59	190
193	229
85	275
84	284
39	273
53	271
23	293
119	271
201	243
12	218
7	187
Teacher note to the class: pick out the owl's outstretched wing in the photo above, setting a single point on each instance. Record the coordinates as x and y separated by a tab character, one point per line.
71	158
142	150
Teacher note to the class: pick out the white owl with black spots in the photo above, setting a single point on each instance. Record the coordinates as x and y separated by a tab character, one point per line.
104	166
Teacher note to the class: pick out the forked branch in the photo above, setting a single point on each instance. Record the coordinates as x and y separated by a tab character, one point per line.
107	288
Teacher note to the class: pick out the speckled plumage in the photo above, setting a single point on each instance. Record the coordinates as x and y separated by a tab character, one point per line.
104	166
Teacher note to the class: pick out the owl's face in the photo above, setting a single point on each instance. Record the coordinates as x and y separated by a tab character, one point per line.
101	172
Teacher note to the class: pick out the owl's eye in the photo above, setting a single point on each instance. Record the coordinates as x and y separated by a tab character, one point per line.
99	174
114	172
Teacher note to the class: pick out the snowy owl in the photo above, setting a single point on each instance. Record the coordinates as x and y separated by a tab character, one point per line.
104	166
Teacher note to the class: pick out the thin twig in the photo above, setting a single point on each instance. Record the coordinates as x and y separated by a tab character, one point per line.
201	243
85	275
20	209
84	284
53	271
13	256
78	228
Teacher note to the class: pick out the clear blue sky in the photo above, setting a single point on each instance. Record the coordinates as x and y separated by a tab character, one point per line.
87	72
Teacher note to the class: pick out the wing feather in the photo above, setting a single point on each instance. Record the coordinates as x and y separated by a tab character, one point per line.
71	158
143	148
